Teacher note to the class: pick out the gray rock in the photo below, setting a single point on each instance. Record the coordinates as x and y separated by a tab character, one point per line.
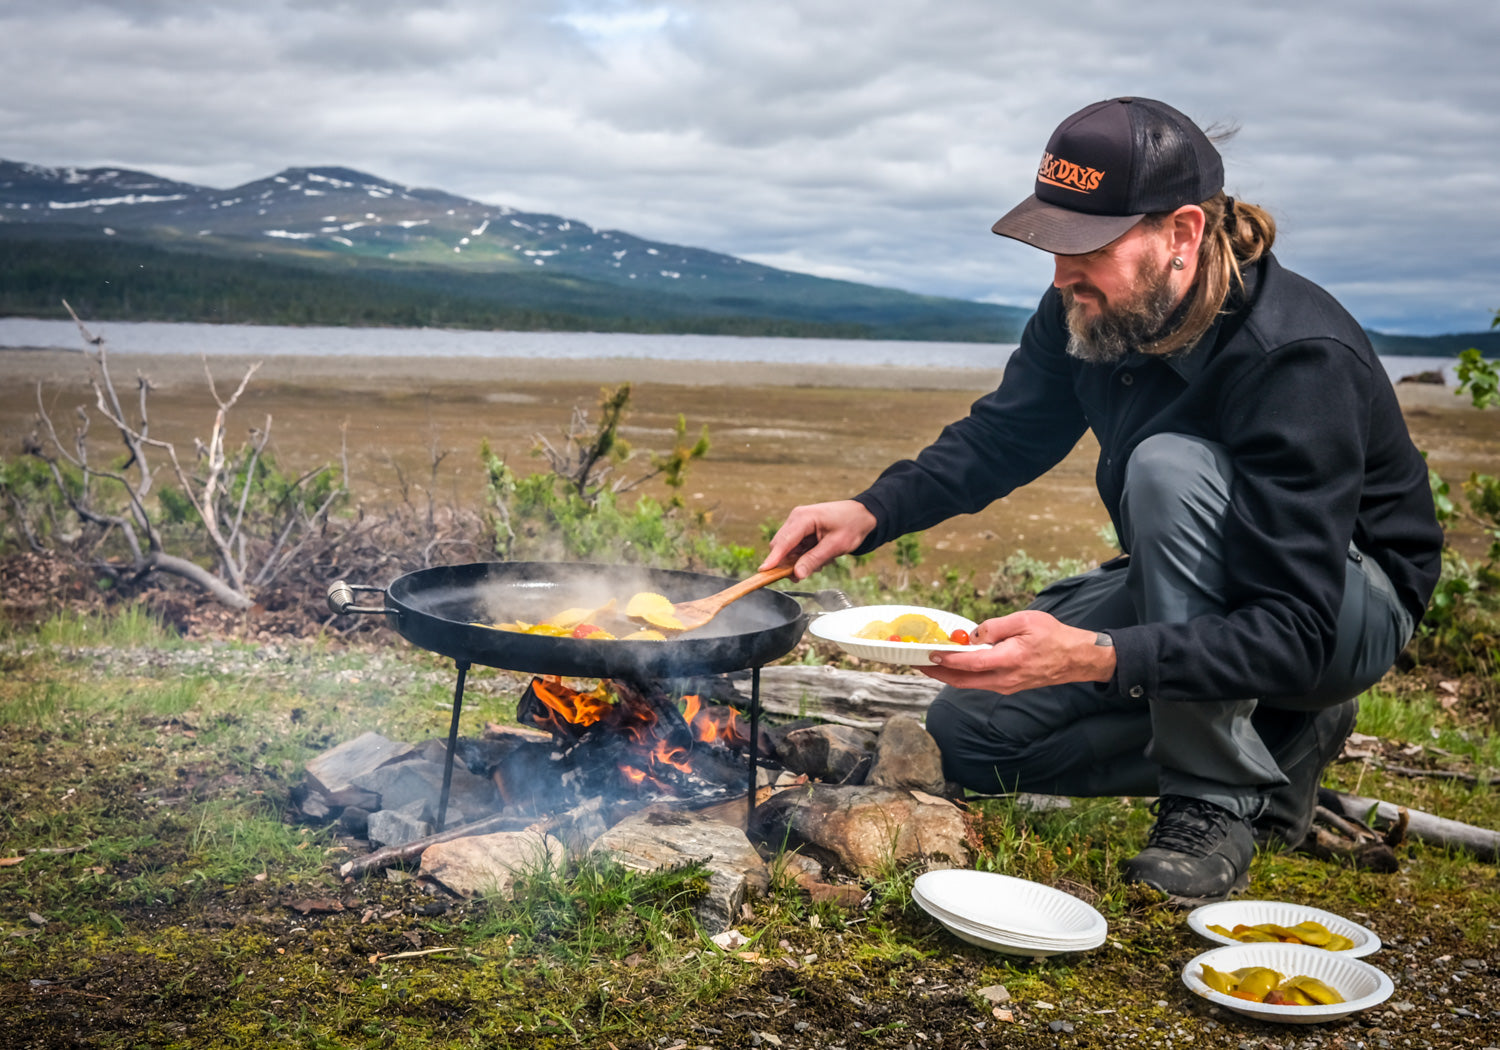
995	994
660	838
397	827
488	865
906	756
401	783
315	806
336	769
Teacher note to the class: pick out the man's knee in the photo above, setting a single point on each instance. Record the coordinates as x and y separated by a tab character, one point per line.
1176	493
964	723
1168	468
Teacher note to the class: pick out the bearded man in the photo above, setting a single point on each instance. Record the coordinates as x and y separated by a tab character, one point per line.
1278	530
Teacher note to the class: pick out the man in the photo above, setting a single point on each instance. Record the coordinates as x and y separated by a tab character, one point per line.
1278	528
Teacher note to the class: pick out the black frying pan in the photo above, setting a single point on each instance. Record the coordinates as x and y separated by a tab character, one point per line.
438	609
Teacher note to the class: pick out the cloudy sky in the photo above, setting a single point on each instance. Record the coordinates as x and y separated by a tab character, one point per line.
874	140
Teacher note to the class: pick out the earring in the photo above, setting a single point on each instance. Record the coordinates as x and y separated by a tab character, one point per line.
1177	262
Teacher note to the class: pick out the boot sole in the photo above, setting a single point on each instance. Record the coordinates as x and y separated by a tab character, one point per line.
1240	884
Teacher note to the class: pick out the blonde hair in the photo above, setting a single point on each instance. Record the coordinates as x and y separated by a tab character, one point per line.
1235	235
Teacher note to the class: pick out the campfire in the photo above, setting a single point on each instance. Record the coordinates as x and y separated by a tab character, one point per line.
625	741
606	759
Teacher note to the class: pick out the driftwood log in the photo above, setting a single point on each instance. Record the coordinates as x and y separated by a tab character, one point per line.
864	699
1423	827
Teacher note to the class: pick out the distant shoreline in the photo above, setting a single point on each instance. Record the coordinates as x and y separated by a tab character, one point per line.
29	364
384	373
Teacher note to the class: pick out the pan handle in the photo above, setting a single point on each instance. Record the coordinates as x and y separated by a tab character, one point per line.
341	598
831	599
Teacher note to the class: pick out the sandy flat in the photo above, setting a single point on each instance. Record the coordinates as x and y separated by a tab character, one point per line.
782	434
350	372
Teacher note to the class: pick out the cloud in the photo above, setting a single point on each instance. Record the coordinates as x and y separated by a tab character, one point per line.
876	140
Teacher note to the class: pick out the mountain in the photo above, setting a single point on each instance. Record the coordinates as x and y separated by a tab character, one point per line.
329	245
360	249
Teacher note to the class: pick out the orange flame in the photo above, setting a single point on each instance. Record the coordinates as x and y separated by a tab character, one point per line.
676	757
580	709
656	759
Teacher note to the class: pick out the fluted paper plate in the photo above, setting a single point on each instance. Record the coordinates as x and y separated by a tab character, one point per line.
1361	984
1229	914
841	627
1039	934
1006	943
1009	915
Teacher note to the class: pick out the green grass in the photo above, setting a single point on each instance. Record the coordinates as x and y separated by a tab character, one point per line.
162	784
128	626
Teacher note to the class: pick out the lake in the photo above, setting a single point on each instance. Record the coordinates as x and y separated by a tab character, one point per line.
150	337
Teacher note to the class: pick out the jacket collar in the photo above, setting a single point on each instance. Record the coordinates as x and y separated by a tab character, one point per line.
1189	364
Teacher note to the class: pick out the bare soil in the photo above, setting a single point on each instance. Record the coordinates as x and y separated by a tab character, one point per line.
781	435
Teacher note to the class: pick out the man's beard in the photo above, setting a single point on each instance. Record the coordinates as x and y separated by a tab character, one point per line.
1118	329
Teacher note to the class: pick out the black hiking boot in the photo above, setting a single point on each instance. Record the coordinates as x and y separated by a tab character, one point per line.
1197	852
1303	752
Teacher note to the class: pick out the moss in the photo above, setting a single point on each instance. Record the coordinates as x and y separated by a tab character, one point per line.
170	925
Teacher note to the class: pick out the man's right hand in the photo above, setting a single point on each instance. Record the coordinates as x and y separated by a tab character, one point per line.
818	533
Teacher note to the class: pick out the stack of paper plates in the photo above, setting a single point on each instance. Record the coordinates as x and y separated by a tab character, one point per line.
1009	915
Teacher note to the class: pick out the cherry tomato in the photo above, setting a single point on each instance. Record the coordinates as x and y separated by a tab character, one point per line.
893	638
583	630
959	636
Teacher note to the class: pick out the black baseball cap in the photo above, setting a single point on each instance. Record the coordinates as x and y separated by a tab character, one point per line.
1108	166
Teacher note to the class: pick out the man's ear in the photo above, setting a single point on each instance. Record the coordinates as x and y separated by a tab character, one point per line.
1184	229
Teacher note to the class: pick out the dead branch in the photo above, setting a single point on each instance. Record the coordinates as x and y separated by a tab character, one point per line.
220	494
1422	827
1434	774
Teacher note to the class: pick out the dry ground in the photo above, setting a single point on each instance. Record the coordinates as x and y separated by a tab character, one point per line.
781	435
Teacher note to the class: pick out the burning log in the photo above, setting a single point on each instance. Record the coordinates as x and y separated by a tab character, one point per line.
625	740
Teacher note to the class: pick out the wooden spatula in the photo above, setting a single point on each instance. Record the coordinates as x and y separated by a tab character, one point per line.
696	613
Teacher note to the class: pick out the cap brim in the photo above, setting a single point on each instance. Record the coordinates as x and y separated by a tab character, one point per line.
1061	231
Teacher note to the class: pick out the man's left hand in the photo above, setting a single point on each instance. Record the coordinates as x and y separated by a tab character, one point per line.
1027	650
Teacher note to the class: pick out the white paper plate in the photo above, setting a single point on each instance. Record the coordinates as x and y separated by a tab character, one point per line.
1007	945
1003	905
841	627
1229	914
1021	939
1361	984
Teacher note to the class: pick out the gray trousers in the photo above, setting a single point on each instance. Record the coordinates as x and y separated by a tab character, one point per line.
1082	739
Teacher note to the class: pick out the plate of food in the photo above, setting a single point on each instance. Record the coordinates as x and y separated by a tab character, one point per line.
1289	983
1244	922
896	634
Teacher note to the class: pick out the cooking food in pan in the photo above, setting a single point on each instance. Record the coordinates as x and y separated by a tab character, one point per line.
647	614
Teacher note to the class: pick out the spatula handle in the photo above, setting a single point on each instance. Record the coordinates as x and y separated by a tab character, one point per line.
755	583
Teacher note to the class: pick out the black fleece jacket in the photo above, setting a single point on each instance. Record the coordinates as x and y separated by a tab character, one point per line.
1287	382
